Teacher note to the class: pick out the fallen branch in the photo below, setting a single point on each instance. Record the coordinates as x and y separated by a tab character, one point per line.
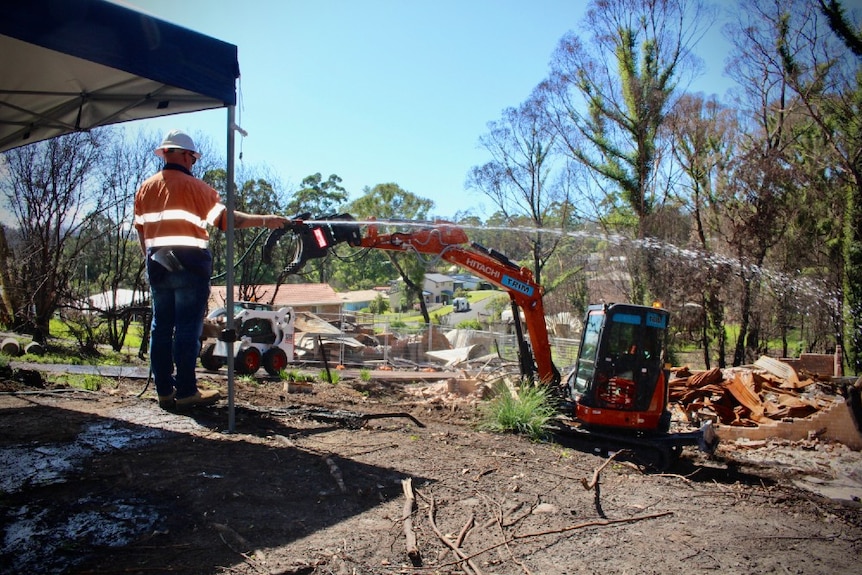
368	416
407	522
508	513
225	531
464	530
584	525
591	484
595	485
473	569
499	521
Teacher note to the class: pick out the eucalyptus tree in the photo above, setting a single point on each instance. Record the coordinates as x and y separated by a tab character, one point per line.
318	197
767	189
611	86
704	133
780	58
827	78
521	177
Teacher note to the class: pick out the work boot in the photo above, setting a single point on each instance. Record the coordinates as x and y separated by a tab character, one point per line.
167	401
205	397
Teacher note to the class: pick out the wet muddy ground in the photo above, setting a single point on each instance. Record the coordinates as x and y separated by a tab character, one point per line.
107	482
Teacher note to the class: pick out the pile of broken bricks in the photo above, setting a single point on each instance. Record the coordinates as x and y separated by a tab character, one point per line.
769	399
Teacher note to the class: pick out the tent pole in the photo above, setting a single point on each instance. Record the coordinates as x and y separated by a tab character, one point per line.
229	233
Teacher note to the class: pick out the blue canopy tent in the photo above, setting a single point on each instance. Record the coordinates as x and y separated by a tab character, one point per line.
75	65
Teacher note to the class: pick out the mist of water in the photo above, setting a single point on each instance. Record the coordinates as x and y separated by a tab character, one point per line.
797	286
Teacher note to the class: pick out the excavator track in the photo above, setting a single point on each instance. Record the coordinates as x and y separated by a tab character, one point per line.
655	452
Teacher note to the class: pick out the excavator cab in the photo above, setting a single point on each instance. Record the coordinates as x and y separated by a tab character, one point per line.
619	379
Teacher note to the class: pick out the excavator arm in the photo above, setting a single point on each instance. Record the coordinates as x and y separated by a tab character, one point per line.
450	243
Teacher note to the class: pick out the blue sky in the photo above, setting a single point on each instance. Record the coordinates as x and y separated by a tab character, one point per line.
381	91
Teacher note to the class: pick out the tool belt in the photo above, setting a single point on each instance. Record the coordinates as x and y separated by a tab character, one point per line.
167	258
170	259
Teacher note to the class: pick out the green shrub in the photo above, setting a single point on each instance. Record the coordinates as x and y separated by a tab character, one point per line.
527	414
88	382
247	379
332	376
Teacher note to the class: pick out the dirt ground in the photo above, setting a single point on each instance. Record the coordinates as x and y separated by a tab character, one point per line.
107	482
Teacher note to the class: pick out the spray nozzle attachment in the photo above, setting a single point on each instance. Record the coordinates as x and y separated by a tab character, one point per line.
313	240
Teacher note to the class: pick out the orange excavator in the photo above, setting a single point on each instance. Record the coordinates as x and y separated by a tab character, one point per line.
616	397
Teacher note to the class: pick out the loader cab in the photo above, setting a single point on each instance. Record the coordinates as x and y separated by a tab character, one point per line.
618	380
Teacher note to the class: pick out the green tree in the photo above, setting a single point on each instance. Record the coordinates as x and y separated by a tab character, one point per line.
390	204
319	199
840	24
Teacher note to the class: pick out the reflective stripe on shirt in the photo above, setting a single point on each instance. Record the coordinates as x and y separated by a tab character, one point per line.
173	209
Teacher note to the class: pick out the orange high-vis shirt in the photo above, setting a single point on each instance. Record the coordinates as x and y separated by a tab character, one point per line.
173	208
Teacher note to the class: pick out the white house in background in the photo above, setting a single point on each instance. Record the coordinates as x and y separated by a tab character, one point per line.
438	288
467	281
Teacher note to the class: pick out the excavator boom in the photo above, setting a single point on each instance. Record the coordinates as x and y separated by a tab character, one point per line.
451	244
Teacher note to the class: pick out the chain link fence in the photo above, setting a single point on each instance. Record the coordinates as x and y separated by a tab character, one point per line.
368	340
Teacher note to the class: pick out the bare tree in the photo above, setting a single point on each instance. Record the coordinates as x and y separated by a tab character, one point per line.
49	189
114	256
520	178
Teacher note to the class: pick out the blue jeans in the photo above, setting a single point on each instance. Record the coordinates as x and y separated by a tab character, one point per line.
179	304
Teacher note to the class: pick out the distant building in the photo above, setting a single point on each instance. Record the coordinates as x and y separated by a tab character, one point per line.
467	282
314	298
439	288
360	299
120	299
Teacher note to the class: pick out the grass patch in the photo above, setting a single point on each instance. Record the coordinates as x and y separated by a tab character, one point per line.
527	414
88	382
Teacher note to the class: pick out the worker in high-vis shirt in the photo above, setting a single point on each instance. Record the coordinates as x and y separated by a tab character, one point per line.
172	211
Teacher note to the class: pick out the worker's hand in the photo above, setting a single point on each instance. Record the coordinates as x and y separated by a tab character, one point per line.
274	222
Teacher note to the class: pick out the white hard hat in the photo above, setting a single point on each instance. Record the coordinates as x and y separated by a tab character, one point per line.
177	139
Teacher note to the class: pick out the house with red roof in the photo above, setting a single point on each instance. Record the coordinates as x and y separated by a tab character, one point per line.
314	298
